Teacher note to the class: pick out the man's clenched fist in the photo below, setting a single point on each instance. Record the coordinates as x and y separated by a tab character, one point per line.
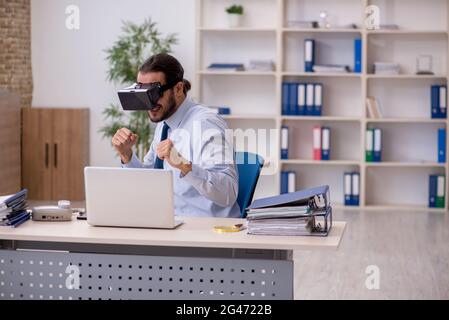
123	141
167	152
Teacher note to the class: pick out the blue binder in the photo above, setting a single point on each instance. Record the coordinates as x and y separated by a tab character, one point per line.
358	55
318	99
377	154
325	143
293	98
347	187
284	143
284	182
441	145
435	101
355	190
285	99
433	185
443	102
310	99
309	55
316	198
301	99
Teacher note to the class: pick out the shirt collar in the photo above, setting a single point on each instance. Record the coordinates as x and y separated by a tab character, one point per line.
175	119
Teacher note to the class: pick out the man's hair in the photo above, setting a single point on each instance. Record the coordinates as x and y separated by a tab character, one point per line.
169	66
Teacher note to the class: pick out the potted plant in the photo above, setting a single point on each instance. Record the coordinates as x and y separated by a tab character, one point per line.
128	53
235	15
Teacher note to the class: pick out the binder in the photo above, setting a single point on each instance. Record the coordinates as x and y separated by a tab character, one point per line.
284	143
433	180
317	143
301	99
310	99
285	99
318	99
325	143
309	55
441	145
284	182
347	187
293	98
377	154
435	101
358	55
441	191
369	145
443	102
355	194
291	181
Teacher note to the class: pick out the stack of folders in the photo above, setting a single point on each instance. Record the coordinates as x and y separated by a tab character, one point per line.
284	142
261	65
437	191
288	182
331	68
351	183
13	209
442	145
373	145
321	143
226	67
302	99
306	212
439	102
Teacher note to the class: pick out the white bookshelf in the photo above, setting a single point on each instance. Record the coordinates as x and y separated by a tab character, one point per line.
409	153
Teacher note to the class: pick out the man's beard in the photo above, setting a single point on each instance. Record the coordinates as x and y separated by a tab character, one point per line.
168	112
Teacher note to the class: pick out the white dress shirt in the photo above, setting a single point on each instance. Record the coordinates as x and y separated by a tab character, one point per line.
198	134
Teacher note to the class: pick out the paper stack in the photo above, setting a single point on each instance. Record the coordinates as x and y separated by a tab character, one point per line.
386	68
261	65
331	68
13	209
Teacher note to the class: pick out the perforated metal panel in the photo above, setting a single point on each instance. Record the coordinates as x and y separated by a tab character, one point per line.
45	275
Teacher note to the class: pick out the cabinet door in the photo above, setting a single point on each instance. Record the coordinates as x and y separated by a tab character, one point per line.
70	150
37	153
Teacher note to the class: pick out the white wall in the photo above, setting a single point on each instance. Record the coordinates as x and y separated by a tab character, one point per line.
69	67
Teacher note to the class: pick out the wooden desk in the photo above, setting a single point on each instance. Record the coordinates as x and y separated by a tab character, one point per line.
38	259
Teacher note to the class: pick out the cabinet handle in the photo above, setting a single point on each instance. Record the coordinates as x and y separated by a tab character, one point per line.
56	154
46	155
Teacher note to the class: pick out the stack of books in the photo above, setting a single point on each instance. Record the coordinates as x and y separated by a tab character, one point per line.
386	68
231	67
13	209
301	213
261	65
331	68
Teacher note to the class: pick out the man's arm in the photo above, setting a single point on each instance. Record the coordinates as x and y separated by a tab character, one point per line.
123	142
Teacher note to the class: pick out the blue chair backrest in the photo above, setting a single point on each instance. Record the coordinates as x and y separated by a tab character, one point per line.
249	166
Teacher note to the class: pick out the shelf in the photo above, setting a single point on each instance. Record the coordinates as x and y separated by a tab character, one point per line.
410	32
315	74
405	76
236	73
315	162
249	117
317	30
243	29
406	120
320	118
406	164
403	207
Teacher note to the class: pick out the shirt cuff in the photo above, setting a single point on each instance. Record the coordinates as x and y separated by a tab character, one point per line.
196	176
133	163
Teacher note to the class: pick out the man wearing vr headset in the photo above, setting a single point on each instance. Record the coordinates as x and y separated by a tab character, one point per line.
204	183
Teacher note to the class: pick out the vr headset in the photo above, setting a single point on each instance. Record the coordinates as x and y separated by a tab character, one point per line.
142	96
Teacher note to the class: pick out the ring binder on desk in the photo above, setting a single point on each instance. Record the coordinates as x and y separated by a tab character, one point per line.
303	213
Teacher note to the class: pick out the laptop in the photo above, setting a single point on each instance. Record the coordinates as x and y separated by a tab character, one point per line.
136	198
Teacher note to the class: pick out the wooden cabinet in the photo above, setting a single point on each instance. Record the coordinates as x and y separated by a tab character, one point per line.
55	150
9	143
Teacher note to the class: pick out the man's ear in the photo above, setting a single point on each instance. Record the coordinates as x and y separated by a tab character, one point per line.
179	89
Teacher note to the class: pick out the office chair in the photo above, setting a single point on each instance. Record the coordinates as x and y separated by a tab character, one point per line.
249	166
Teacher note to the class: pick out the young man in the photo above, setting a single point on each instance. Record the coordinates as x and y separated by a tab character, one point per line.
190	141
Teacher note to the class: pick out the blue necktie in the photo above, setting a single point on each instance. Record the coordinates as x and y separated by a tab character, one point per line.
159	164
